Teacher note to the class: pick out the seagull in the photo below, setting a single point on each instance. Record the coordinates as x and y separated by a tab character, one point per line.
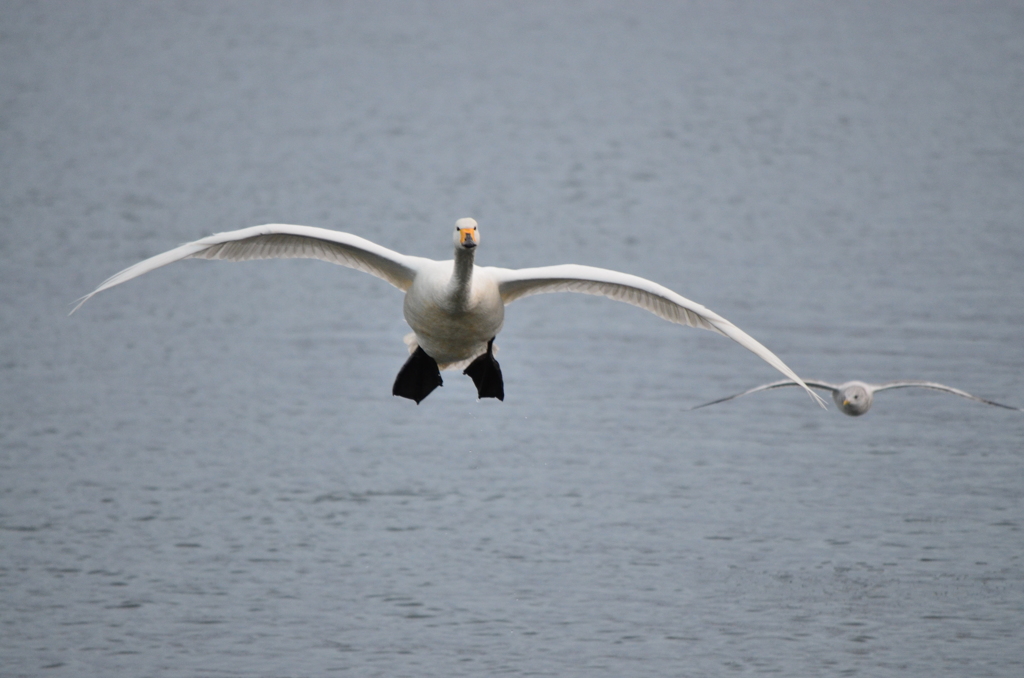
855	397
455	308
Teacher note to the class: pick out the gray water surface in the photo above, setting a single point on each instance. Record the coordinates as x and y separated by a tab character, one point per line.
203	472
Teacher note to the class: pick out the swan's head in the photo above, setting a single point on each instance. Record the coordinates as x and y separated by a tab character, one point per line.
467	235
853	398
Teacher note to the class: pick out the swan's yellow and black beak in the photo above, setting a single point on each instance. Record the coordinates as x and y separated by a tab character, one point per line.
468	237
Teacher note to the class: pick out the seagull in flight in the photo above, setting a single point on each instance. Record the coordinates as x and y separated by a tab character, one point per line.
855	397
455	308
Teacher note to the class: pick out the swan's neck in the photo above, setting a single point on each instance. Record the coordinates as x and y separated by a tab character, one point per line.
462	276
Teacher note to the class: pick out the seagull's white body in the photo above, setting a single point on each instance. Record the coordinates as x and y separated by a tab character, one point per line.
455	308
855	397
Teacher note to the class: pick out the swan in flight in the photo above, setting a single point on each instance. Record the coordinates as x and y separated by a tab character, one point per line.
455	308
855	397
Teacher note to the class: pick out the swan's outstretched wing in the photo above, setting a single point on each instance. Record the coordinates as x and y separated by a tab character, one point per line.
767	387
281	241
631	289
908	383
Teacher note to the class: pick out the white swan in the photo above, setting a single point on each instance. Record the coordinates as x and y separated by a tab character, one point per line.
455	308
855	397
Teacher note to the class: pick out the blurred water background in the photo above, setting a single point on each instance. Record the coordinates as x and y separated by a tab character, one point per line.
203	472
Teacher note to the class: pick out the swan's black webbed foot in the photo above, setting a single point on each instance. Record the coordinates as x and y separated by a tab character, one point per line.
418	377
486	374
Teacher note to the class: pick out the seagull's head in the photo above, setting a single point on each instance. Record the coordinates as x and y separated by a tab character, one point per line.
853	398
467	235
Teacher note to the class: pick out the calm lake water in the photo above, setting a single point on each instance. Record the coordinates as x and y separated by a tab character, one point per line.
203	472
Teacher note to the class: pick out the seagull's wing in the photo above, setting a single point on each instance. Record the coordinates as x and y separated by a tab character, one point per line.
631	289
767	387
908	383
281	241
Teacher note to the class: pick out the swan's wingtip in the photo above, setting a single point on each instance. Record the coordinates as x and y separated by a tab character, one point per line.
78	303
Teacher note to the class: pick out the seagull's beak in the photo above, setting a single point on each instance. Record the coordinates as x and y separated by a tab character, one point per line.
467	237
845	402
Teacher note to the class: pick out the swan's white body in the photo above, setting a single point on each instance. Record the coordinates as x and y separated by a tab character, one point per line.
855	397
454	308
452	321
